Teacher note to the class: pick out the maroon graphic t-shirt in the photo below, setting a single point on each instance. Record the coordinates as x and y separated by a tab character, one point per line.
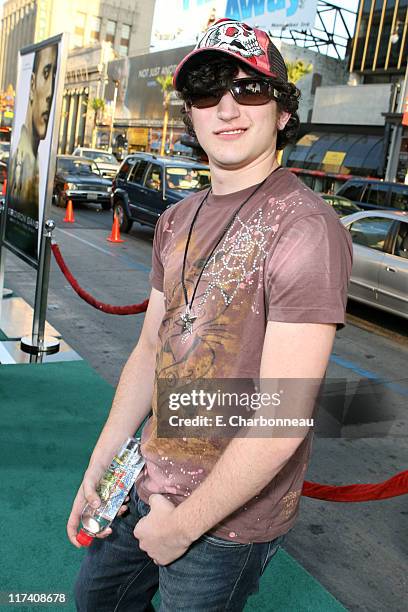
287	257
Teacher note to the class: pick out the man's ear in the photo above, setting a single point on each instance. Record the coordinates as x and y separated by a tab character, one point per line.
283	118
32	86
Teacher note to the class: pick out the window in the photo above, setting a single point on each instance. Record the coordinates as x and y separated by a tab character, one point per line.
377	195
124	40
136	175
95	32
401	244
154	178
125	167
370	232
399	197
79	31
110	31
188	179
353	191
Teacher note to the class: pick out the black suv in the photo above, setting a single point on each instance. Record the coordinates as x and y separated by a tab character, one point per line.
372	194
146	185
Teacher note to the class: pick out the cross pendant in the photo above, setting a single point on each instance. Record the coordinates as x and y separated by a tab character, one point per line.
188	319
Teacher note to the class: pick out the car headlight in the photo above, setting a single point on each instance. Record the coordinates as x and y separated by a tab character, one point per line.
109	189
72	186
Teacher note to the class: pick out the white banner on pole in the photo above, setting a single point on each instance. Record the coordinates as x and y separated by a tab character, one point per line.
178	23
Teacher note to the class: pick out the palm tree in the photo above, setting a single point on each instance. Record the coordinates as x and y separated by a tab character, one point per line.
297	70
166	83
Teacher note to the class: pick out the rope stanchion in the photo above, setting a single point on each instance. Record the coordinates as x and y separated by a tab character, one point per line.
87	297
393	487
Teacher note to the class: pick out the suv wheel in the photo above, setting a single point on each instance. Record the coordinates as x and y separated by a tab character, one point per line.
124	222
106	205
59	199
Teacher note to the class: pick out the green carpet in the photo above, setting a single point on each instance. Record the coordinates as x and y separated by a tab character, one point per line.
51	416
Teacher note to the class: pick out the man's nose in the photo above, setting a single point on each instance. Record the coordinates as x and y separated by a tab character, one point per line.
227	107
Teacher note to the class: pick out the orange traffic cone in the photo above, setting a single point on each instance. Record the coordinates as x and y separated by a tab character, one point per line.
4	189
115	234
69	215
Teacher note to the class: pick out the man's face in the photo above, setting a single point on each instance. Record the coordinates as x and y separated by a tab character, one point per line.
42	89
244	149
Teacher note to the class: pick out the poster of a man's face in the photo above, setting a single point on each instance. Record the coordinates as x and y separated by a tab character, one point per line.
30	148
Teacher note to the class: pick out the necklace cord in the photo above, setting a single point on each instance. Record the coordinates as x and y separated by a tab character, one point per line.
227	227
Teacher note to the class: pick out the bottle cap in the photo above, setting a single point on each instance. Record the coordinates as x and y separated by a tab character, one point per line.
83	538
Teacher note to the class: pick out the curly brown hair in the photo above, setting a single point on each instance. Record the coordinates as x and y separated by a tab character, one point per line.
219	71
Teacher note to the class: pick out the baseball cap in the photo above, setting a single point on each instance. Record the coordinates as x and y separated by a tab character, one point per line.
239	40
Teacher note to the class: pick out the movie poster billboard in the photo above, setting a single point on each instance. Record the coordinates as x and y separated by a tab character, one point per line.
139	95
178	23
40	79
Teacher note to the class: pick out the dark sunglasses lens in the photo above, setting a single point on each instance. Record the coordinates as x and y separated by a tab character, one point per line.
206	100
252	93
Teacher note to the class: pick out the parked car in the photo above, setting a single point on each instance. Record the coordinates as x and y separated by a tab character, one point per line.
107	162
80	180
372	194
380	259
4	151
147	184
342	206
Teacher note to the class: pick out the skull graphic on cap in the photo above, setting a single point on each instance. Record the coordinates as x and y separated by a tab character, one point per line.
232	36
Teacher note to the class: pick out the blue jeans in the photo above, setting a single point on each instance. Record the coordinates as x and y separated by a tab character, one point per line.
214	575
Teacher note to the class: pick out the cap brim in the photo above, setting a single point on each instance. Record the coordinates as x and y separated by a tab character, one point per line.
182	67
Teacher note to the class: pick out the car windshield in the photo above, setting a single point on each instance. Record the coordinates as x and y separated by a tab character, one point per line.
101	157
342	206
187	179
78	166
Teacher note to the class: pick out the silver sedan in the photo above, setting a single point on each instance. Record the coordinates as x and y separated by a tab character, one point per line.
380	259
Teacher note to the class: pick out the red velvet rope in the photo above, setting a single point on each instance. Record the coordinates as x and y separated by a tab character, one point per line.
393	487
397	485
108	308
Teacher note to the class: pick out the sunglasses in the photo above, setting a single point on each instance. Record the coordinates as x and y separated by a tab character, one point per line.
248	91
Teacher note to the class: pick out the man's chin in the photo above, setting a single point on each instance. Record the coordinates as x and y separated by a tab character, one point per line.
230	161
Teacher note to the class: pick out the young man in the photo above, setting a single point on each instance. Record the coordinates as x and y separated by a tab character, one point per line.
249	281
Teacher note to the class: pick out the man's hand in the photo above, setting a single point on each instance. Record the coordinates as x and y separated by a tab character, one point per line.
87	494
160	534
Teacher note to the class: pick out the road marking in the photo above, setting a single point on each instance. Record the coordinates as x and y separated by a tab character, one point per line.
377	329
350	365
127	260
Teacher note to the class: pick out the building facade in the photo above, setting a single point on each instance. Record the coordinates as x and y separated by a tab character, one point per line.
124	24
380	43
356	129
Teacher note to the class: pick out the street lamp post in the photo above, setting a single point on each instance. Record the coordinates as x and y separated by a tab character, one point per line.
115	97
396	138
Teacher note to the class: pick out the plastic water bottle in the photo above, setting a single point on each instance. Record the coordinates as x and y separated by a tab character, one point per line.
112	490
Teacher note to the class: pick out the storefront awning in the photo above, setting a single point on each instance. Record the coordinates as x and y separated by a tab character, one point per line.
356	154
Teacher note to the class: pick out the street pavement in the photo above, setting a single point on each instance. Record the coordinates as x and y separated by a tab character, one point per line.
356	550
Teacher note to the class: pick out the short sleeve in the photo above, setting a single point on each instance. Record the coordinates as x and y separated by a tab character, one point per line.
307	274
157	272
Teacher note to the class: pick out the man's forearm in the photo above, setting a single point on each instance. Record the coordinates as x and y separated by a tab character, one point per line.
131	404
243	470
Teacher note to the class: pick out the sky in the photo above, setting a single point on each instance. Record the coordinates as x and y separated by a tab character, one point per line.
349	4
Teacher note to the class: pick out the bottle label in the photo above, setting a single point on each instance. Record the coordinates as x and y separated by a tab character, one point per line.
116	483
